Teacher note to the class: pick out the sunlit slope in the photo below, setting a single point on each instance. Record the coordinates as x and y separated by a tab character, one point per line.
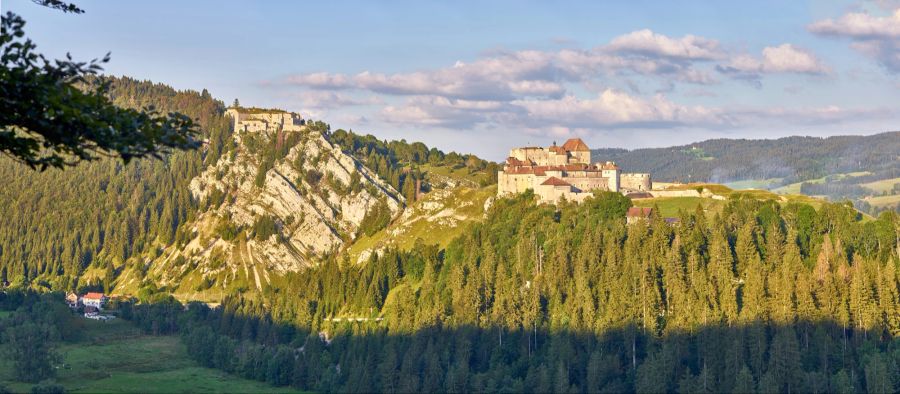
435	219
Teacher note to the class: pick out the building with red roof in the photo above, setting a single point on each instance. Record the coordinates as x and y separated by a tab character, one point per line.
564	171
96	300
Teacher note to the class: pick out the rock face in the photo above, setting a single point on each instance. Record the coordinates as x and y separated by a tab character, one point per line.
285	171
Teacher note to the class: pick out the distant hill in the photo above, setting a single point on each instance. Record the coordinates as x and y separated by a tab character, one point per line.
792	159
863	169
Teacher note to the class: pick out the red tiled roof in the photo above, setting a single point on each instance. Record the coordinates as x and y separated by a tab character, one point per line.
93	296
539	170
557	149
514	162
575	145
554	181
639	212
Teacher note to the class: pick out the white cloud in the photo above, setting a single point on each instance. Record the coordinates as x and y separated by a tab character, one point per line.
506	76
616	109
529	73
860	26
548	92
445	112
610	109
785	58
328	99
875	36
648	43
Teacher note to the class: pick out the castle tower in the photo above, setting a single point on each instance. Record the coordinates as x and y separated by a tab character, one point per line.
579	151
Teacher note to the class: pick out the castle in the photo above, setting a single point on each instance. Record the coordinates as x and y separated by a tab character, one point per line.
257	120
564	172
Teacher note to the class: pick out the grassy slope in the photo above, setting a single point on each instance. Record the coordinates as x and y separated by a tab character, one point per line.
116	357
755	184
438	218
794	188
669	206
884	185
884	200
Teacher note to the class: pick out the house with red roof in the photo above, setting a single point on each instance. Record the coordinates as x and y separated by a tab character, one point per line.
96	300
637	214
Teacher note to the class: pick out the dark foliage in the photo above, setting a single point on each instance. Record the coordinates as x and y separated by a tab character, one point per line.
544	299
54	115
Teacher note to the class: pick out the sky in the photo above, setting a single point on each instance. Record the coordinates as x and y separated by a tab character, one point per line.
484	76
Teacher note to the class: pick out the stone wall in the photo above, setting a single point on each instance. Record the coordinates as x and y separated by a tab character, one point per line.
635	182
675	193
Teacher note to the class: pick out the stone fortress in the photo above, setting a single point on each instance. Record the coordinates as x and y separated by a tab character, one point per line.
252	120
564	172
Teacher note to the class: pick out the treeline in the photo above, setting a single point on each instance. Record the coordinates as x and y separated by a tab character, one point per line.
793	158
397	162
31	332
57	223
758	297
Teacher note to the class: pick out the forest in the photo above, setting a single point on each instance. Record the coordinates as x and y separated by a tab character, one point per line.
59	223
794	159
760	297
125	212
839	168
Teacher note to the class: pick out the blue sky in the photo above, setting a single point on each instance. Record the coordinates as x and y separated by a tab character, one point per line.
483	76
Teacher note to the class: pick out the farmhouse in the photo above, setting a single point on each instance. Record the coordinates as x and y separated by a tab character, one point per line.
96	300
637	214
72	300
565	172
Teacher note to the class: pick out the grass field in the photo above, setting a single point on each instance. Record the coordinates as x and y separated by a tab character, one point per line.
115	357
794	188
881	201
754	184
884	185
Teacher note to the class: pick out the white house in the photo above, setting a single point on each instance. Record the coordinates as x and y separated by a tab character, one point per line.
96	300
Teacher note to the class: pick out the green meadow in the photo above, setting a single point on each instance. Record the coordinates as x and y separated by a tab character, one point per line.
115	357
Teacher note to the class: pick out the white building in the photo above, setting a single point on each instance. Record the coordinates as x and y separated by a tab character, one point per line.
96	300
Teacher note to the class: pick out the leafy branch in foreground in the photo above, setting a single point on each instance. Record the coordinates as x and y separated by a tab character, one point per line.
55	114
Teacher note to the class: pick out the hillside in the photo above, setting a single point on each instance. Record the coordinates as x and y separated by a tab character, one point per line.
269	197
753	294
859	168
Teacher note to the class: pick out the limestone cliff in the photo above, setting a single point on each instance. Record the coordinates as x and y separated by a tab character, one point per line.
284	173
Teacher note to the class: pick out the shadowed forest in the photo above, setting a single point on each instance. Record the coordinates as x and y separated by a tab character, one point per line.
760	297
757	296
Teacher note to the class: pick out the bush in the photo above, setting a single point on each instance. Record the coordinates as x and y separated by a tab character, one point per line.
378	217
227	230
264	227
313	177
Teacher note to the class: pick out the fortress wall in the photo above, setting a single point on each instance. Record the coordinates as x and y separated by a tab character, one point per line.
675	193
582	157
589	184
537	155
516	183
641	182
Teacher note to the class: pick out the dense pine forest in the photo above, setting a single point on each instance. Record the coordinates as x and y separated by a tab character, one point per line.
760	297
78	228
59	223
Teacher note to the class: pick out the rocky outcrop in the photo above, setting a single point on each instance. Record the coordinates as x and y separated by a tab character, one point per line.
316	195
